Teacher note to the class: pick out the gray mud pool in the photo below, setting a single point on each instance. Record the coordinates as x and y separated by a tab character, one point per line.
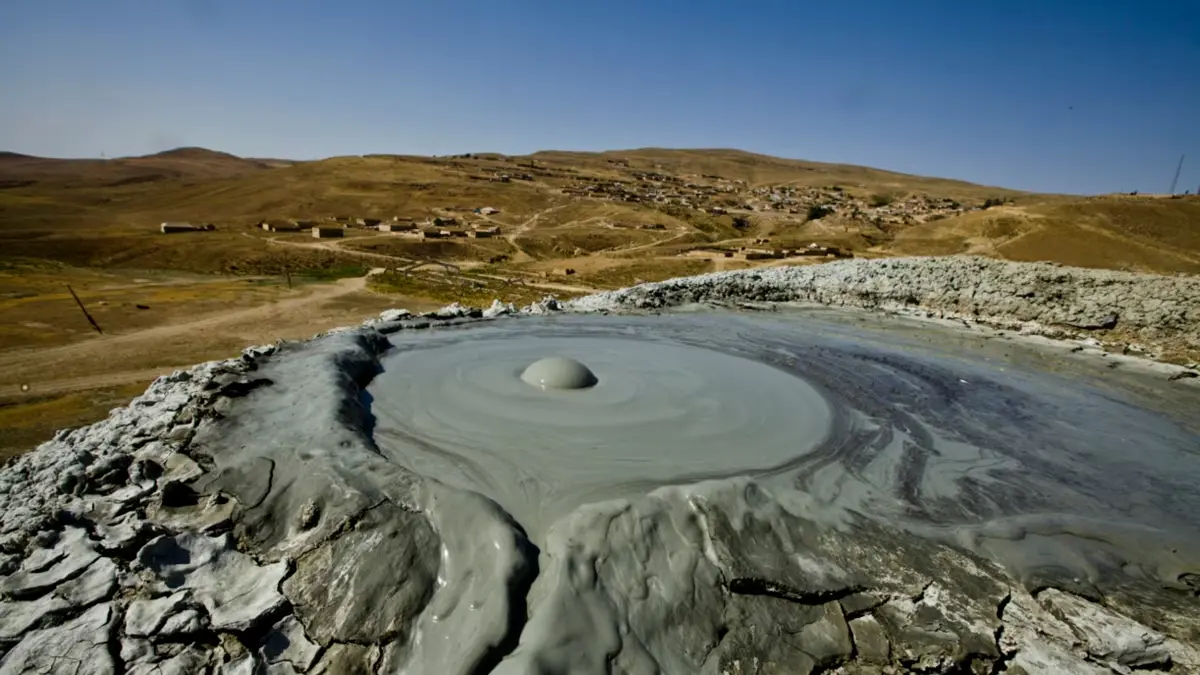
930	429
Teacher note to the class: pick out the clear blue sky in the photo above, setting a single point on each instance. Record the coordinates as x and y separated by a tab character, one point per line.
1055	95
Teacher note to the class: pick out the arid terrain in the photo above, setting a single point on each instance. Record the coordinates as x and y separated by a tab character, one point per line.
420	232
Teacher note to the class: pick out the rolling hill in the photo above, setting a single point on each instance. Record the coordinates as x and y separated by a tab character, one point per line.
567	206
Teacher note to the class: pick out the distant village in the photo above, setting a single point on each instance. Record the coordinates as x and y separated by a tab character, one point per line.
718	196
434	227
710	194
722	196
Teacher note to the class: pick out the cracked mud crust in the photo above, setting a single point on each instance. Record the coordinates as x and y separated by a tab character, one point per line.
240	517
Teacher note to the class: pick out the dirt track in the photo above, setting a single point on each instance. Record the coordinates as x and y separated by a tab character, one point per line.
145	354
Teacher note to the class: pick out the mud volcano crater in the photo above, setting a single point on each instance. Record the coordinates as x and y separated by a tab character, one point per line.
659	412
701	490
859	421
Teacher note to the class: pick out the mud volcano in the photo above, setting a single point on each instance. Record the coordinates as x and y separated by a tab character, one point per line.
697	491
645	411
1053	476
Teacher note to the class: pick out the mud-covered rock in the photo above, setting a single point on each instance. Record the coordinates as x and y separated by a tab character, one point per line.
237	593
77	647
1108	638
344	591
1037	297
74	554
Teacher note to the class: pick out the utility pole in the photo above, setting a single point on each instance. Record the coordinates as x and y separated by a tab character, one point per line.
84	310
1178	168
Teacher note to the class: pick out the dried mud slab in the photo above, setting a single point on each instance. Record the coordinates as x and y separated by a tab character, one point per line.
796	491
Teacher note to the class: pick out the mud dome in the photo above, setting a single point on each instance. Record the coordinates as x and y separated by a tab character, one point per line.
791	491
455	407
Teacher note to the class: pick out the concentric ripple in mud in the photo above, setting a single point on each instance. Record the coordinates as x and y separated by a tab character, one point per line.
660	412
1024	466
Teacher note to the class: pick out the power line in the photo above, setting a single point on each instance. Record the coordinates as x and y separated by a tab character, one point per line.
1175	180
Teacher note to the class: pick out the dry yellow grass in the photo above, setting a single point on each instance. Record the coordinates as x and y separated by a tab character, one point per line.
451	249
468	289
1144	234
759	169
27	421
36	308
102	214
641	271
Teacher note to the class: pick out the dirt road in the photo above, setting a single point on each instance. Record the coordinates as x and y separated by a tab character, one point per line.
116	359
510	233
335	247
549	286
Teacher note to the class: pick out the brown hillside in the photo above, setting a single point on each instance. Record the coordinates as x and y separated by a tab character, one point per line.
104	213
1146	234
65	174
759	169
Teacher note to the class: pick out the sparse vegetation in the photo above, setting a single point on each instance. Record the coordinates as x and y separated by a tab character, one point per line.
27	421
646	270
344	271
817	212
880	200
467	289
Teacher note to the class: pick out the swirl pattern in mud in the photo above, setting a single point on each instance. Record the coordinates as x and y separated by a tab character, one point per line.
660	413
854	420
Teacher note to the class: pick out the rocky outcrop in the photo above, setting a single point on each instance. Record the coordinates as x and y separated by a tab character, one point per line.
1158	315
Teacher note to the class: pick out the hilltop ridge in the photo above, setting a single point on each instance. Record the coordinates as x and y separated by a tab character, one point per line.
760	169
557	210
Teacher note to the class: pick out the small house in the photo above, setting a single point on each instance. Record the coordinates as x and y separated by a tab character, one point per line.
281	226
484	232
171	228
396	227
432	234
328	232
